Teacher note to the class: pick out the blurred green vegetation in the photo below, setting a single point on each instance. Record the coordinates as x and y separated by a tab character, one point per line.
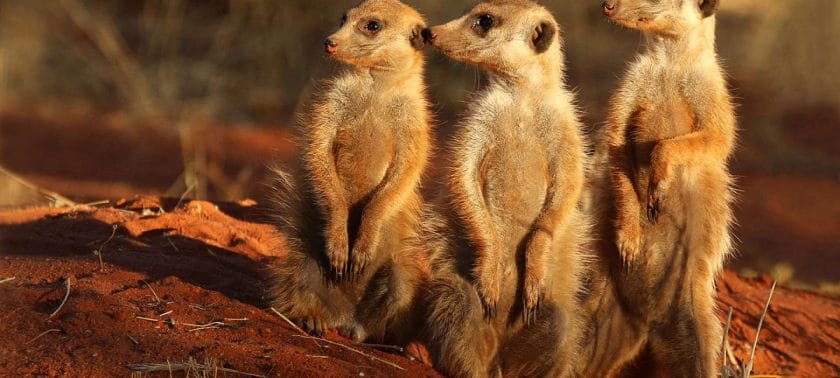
181	61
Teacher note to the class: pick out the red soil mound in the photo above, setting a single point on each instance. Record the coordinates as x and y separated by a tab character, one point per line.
180	281
167	272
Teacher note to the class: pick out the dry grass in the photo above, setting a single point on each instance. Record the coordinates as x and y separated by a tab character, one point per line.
747	372
63	301
191	368
738	368
56	200
319	340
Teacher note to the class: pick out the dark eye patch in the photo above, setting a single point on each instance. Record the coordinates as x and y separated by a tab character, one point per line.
343	19
373	26
483	23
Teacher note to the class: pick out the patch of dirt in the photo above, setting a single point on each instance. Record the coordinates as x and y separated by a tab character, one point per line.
172	267
169	269
801	332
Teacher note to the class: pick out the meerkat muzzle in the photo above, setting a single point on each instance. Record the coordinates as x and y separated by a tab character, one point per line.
607	8
428	35
330	46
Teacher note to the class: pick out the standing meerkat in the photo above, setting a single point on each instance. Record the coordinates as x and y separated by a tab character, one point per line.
671	132
355	200
507	247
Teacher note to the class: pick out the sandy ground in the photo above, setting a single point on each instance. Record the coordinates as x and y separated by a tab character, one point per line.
187	280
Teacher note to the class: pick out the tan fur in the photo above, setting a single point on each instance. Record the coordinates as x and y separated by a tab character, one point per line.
671	131
507	245
355	201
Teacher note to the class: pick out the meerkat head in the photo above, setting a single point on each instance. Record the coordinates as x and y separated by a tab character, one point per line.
508	37
378	34
659	16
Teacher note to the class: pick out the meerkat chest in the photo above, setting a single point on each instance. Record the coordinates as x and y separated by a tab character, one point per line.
662	110
363	149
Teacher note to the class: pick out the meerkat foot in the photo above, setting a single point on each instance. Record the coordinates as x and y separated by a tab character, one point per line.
353	331
313	325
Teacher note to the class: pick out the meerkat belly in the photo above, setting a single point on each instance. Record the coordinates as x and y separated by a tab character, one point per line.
362	156
515	189
653	124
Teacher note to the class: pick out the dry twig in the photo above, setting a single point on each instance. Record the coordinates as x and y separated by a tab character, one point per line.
723	367
42	334
354	350
302	332
10	279
63	301
748	369
153	291
101	248
57	199
393	348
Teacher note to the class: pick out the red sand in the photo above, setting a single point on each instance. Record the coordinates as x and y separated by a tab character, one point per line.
202	262
194	265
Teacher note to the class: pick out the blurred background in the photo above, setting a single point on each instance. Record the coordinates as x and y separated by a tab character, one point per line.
108	99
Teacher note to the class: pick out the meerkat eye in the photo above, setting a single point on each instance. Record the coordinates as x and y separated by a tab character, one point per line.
373	26
485	21
343	19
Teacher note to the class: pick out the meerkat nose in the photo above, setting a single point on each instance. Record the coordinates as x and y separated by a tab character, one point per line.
428	35
330	46
607	8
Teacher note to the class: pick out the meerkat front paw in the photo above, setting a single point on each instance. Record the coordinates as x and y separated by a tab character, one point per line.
629	240
533	293
337	251
488	286
534	286
361	254
660	173
654	201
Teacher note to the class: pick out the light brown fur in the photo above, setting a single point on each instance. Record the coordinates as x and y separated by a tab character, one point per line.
507	245
355	201
666	234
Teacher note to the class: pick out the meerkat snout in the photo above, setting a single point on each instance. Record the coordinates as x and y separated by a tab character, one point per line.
428	36
330	46
607	8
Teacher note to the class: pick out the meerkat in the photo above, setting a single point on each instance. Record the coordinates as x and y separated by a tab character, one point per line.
666	234
507	245
354	201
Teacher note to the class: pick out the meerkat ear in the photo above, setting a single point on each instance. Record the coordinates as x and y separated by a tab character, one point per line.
416	37
708	7
543	36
